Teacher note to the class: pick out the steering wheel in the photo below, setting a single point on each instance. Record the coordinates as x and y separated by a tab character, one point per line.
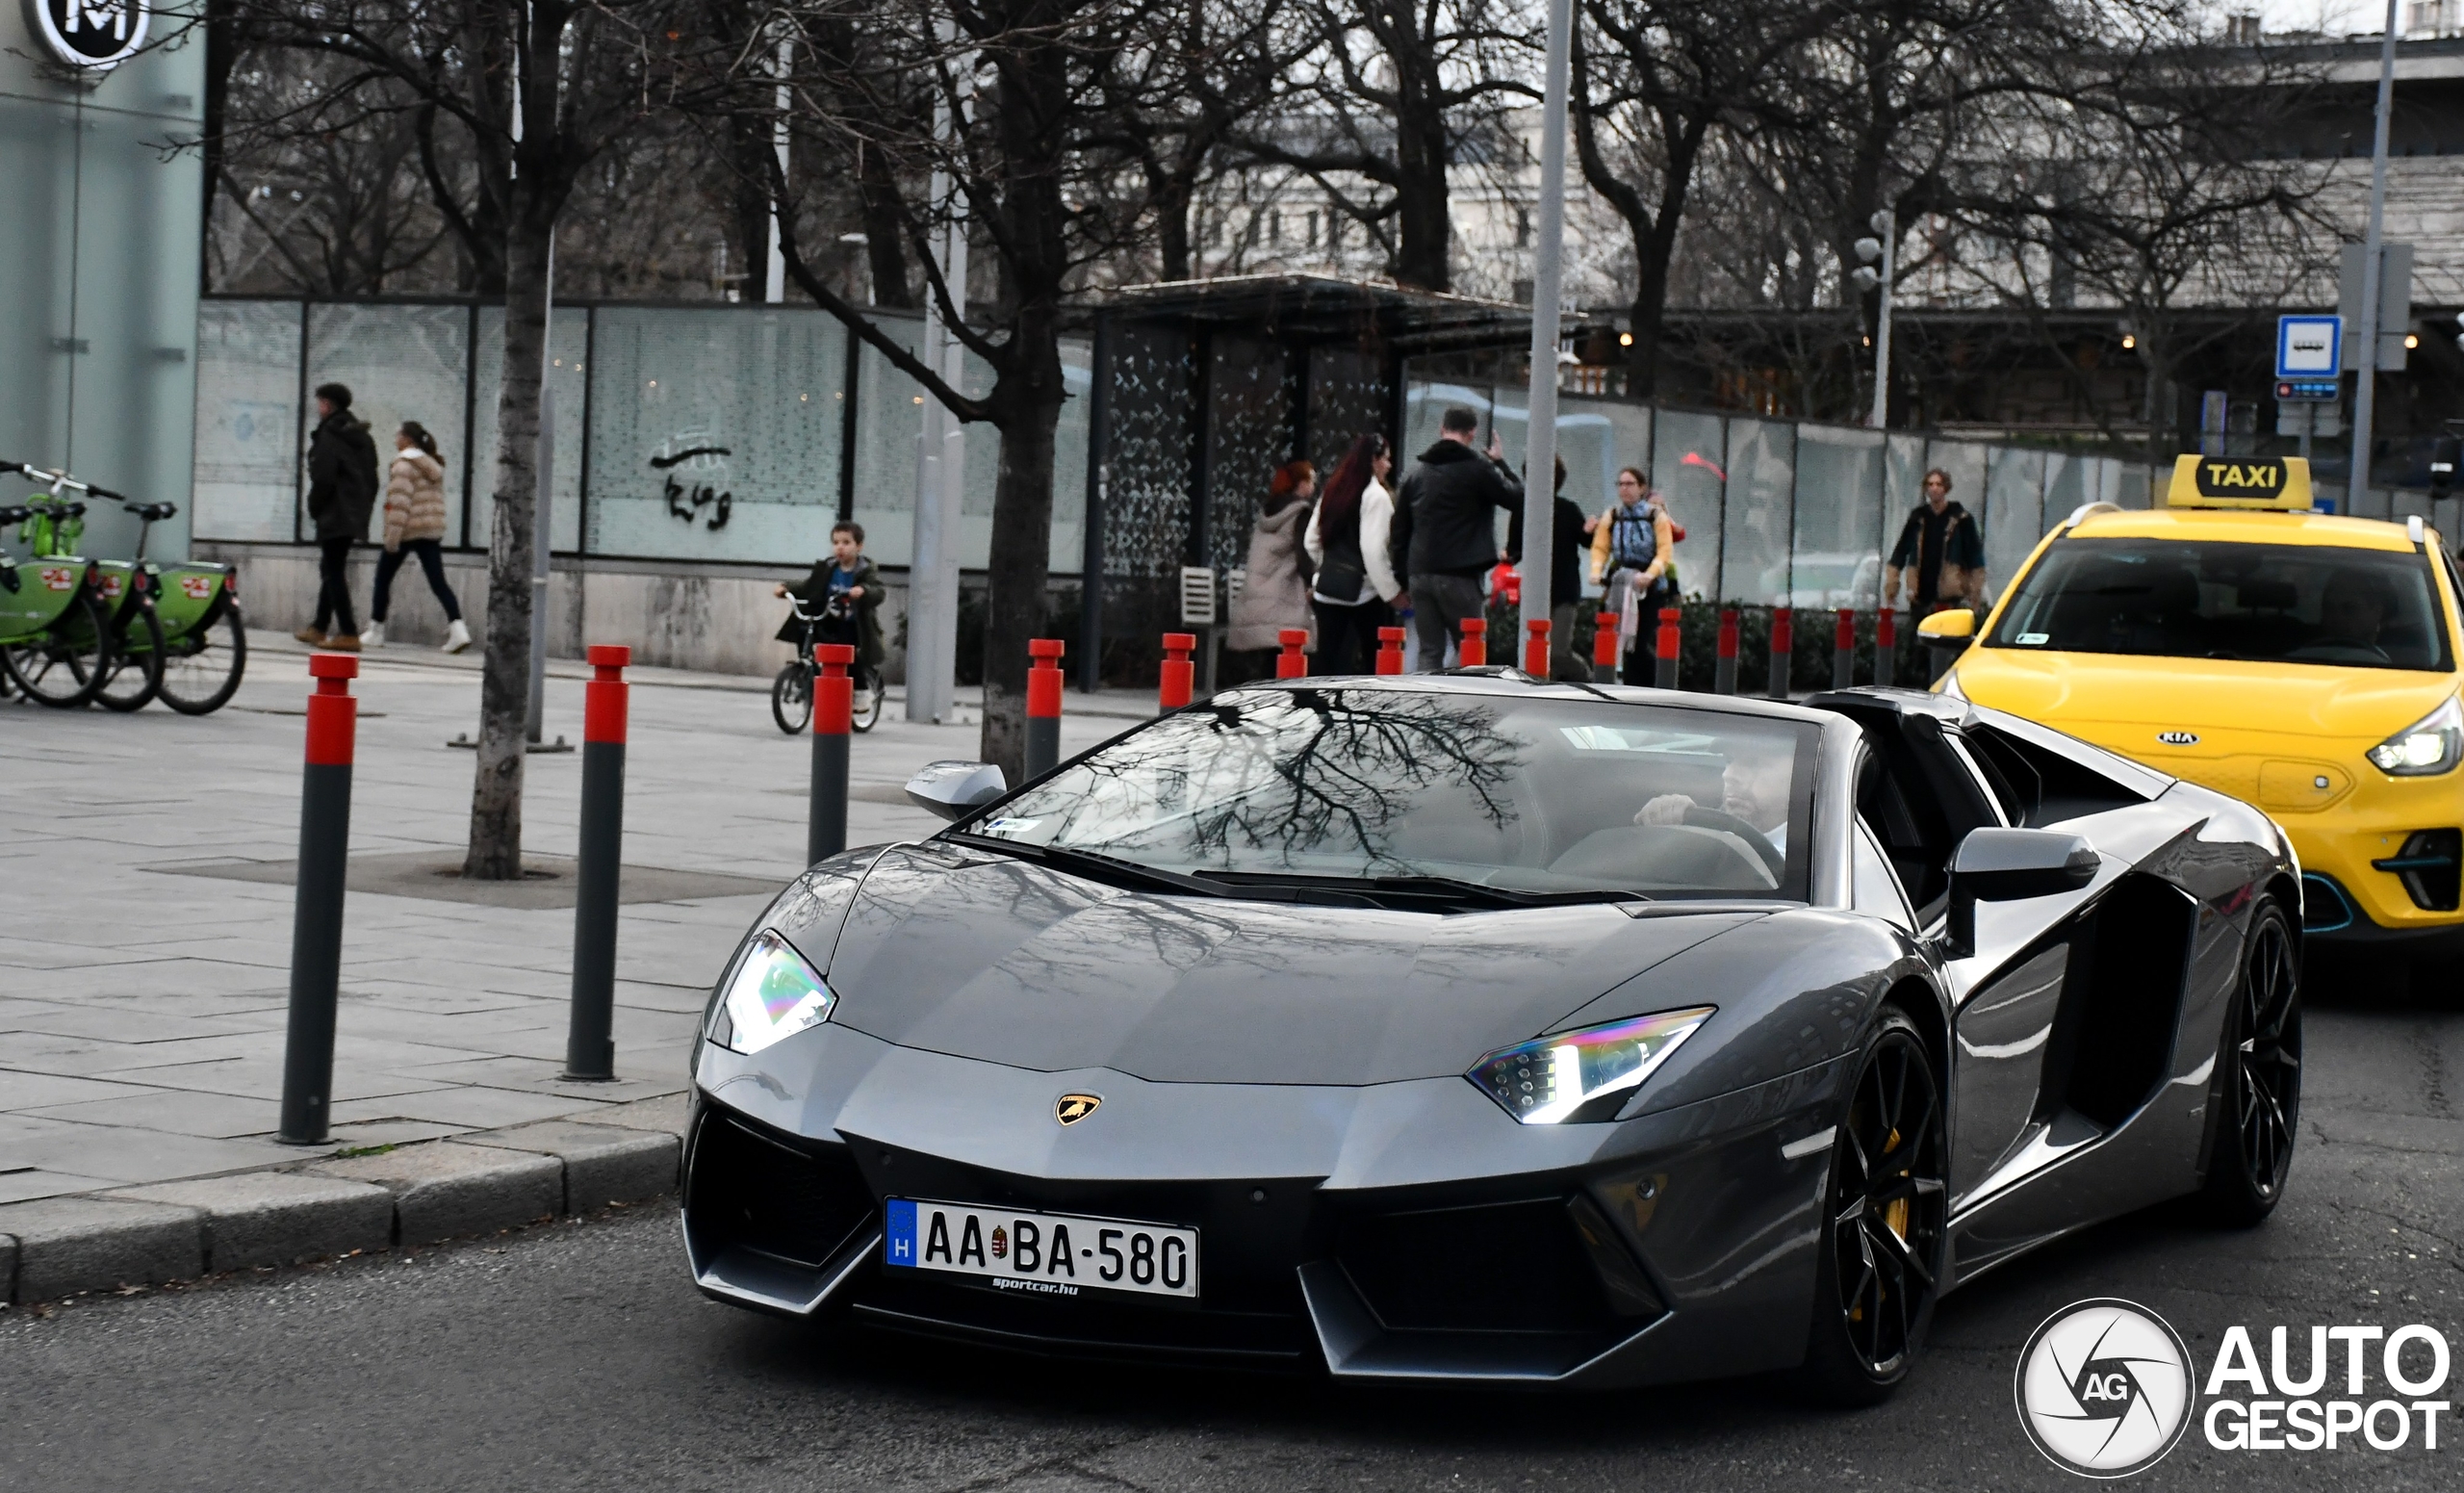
1729	824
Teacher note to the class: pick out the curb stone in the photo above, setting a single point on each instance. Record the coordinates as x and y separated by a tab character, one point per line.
274	1218
604	1164
444	1188
65	1245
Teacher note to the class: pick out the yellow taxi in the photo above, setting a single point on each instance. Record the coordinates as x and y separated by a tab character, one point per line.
2304	662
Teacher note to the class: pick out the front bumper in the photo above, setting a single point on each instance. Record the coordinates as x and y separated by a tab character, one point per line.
1406	1230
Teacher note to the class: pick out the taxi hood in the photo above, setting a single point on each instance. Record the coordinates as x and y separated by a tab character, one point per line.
2115	699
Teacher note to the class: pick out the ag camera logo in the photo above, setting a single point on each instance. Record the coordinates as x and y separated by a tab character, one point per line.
2105	1388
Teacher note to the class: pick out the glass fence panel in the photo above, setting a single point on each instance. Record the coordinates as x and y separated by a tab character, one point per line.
1755	530
2448	511
1689	469
888	418
2068	482
1835	558
2014	511
401	362
568	342
248	434
715	436
2130	485
1964	462
1601	438
2409	505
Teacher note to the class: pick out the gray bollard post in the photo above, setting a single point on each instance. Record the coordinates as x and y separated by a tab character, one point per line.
833	720
590	1034
317	904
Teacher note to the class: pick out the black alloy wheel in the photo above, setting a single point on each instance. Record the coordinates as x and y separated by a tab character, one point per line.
202	671
791	698
1885	1212
2258	1097
136	674
65	666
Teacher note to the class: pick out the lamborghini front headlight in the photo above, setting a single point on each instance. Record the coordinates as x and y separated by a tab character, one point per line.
1586	1074
768	997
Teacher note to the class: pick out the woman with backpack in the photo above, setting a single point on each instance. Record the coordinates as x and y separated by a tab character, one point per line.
415	525
1346	541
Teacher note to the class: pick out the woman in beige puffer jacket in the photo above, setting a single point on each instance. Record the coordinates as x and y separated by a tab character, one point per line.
415	525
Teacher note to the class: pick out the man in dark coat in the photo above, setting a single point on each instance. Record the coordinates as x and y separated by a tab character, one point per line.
1444	537
1941	553
341	494
1569	537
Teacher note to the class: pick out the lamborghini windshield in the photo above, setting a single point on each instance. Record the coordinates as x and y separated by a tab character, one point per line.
2189	599
1391	786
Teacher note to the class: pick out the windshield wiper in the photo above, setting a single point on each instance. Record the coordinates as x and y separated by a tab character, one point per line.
1092	864
1447	888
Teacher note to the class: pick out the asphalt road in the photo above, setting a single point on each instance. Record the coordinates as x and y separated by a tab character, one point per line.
577	1355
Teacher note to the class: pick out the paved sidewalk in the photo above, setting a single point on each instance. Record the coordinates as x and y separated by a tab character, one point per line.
142	997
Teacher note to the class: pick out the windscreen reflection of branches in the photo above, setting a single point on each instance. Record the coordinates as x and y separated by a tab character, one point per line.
1325	773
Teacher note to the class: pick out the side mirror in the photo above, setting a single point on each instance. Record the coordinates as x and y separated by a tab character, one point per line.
951	790
1955	626
2007	865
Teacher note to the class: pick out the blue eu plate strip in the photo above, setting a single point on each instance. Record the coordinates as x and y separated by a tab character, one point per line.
898	1236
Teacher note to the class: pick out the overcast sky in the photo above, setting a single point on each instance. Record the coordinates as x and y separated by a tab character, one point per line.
2339	15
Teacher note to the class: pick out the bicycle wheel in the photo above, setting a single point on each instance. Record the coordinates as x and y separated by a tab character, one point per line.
65	666
136	673
201	671
791	698
870	715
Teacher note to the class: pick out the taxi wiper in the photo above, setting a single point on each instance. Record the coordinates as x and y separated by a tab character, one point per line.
1094	865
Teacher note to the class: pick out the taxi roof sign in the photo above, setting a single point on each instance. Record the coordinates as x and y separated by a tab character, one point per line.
2278	482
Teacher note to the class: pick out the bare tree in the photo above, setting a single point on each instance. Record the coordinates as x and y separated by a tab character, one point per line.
545	85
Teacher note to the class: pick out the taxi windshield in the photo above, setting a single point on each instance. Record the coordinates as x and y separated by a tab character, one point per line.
2190	599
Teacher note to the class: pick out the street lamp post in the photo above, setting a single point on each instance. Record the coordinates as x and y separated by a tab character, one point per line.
1548	275
1881	255
2365	390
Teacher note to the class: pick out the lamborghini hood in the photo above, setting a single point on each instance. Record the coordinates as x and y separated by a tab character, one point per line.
1010	962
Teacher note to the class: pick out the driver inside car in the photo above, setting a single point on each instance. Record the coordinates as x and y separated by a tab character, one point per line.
1753	787
2353	609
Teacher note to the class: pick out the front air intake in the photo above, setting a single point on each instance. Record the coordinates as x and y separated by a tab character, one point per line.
1544	1266
795	1200
2431	867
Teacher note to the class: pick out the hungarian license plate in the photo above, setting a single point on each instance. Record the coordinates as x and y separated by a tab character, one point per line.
1041	1253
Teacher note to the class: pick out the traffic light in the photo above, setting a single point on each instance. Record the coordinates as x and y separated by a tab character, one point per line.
1866	277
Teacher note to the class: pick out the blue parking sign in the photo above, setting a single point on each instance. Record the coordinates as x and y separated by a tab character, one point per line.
2309	346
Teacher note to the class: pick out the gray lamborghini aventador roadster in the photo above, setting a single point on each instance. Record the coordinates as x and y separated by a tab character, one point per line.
1475	1028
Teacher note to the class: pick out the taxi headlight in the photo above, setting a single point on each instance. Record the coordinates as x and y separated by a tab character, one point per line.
770	995
1586	1074
2428	747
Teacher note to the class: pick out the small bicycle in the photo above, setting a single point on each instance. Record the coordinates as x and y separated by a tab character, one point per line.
791	692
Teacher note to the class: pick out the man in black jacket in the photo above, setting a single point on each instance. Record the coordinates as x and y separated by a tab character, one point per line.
341	494
1444	538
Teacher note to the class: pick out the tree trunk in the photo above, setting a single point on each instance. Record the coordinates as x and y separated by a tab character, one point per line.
1653	252
1028	397
885	227
1424	257
1172	227
504	677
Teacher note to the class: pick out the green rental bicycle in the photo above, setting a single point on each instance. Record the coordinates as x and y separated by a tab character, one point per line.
181	618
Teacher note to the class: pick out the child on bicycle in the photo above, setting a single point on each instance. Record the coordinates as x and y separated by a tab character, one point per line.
844	592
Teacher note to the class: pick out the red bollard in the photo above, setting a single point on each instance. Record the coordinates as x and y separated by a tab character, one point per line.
590	1032
1535	648
1178	672
1389	650
1843	650
1783	648
1724	672
1043	704
316	901
1886	646
1292	662
1474	651
833	719
1603	648
1669	617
